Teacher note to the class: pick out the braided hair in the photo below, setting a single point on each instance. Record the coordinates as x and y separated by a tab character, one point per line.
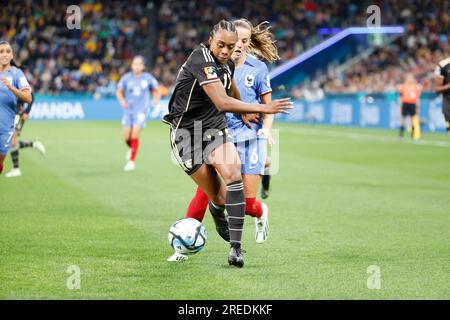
223	25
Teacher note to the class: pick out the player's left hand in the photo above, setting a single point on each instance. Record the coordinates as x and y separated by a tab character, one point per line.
266	134
251	117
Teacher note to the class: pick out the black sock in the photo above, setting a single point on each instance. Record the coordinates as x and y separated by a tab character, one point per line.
402	129
265	181
215	209
15	158
25	144
235	204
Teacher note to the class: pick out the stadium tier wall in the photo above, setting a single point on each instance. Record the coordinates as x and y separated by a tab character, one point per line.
362	110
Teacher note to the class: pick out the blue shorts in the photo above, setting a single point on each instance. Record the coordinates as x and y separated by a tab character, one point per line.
5	140
130	119
253	154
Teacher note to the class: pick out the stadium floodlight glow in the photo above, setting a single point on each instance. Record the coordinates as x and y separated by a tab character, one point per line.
331	41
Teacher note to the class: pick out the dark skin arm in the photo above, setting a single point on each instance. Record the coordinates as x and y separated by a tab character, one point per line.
224	103
234	91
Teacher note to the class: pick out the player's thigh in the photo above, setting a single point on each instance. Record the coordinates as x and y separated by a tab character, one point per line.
253	165
126	133
254	159
208	180
225	159
136	130
127	124
5	141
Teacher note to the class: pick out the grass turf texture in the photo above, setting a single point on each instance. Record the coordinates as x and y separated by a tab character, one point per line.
338	205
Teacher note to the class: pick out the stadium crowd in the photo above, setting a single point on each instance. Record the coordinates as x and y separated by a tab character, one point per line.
425	43
93	58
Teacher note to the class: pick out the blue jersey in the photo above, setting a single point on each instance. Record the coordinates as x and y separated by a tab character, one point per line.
8	100
136	90
252	80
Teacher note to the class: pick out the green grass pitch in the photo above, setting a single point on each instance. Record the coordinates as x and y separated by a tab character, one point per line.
343	200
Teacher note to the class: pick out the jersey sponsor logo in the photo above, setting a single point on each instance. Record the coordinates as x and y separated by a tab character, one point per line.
144	84
249	80
210	72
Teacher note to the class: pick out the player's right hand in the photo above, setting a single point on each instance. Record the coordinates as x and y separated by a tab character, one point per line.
124	104
278	106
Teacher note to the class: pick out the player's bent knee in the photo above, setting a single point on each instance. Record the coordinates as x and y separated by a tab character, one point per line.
232	176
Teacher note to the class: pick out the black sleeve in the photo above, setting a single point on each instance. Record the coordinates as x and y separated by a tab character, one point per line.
203	67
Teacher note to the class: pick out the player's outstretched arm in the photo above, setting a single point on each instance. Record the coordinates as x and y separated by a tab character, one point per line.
216	92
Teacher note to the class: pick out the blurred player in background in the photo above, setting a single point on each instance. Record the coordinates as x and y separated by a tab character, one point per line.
133	95
204	90
410	92
443	86
249	136
13	87
22	114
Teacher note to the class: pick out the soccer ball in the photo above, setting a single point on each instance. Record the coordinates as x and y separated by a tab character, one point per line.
187	236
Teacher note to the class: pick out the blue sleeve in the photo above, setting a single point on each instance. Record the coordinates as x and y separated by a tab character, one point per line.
20	81
122	82
152	82
263	81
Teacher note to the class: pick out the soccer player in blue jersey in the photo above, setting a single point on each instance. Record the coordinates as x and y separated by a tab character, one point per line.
22	114
13	87
133	95
249	135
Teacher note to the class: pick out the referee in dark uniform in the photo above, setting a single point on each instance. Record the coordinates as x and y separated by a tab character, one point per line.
443	86
199	137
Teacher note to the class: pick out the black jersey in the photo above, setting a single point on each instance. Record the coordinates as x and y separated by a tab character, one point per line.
189	102
443	70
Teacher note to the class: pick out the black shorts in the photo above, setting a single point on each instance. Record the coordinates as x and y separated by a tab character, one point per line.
446	109
191	150
408	109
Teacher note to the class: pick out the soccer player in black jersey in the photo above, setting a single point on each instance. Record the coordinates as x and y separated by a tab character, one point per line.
443	86
199	137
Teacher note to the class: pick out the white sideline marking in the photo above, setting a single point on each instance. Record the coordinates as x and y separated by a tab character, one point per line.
366	137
